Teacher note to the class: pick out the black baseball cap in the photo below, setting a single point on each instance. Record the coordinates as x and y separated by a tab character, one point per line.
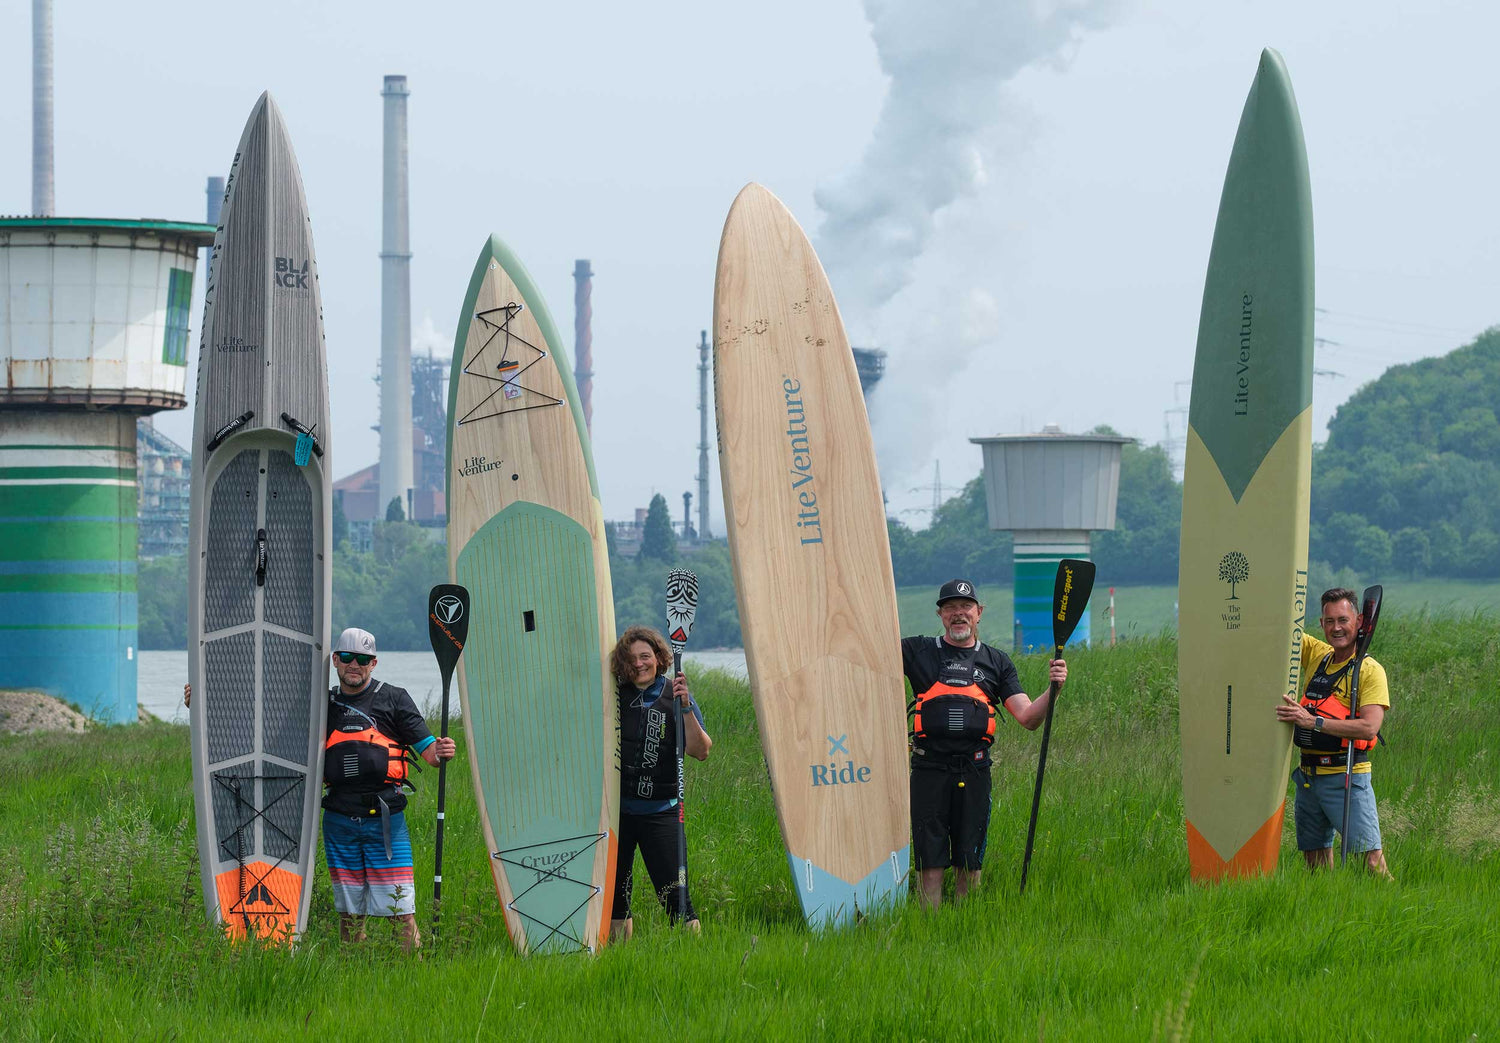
957	588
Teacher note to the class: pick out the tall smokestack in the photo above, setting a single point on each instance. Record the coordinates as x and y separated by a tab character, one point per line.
43	201
703	435
395	306
214	190
583	340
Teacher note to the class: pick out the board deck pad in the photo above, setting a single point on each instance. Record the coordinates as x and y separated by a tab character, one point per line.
1243	566
812	566
259	577
526	537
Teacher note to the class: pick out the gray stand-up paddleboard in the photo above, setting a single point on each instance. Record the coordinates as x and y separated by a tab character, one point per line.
259	572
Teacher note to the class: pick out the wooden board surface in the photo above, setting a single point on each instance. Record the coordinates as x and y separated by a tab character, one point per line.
1243	570
526	536
258	648
812	565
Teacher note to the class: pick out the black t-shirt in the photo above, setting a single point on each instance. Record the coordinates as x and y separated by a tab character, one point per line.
395	714
928	660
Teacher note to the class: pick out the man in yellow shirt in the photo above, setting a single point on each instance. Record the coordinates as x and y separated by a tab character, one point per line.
1324	732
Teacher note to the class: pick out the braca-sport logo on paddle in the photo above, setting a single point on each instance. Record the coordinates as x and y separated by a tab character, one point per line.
801	470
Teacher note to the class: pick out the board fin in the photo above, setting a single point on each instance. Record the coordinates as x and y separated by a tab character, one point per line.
1256	856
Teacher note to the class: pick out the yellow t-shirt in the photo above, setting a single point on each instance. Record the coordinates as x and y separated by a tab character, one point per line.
1373	690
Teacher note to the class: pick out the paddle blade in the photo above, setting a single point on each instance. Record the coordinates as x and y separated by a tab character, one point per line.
1370	612
682	606
448	624
1070	597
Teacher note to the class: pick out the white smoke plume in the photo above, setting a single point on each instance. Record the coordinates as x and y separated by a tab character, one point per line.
944	118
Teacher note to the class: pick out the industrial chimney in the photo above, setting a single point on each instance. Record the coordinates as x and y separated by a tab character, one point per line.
583	340
703	533
395	306
43	201
214	190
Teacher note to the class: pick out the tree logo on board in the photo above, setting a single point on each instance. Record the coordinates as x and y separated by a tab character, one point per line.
1234	569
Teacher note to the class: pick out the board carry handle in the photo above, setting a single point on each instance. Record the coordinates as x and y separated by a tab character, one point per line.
229	429
262	557
682	610
447	629
1369	616
297	426
1070	599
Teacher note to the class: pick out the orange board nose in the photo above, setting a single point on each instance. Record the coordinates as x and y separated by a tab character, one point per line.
1256	856
260	899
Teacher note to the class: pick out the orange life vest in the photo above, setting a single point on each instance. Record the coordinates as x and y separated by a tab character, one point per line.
359	757
1319	700
956	713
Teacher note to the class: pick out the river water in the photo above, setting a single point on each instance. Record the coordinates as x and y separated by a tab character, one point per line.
161	675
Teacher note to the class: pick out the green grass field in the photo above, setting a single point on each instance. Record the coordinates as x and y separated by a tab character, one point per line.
102	931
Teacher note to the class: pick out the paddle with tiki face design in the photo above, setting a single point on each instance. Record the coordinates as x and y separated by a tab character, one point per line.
682	609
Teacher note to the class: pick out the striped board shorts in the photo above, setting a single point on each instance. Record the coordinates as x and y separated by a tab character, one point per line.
365	882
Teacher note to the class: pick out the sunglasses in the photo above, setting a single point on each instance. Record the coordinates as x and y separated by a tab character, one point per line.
355	657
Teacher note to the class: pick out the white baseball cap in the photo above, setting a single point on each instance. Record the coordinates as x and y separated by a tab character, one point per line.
355	640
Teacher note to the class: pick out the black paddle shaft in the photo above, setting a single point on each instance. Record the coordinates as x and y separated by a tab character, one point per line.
1070	598
1369	616
448	629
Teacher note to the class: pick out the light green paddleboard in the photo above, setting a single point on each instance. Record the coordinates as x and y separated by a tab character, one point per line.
1242	587
526	536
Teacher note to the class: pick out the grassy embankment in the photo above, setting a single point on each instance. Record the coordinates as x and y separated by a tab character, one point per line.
102	933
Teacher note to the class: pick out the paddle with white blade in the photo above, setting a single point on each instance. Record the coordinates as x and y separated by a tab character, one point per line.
448	628
682	609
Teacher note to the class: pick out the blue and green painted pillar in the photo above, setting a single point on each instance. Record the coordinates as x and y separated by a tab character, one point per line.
68	557
1036	558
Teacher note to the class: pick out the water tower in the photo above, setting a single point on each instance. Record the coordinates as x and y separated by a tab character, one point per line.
93	335
1051	490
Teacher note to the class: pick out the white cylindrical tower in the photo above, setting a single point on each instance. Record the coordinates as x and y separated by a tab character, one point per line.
395	307
93	334
42	199
1051	490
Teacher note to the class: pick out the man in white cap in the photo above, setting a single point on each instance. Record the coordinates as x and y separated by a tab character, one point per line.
958	682
371	726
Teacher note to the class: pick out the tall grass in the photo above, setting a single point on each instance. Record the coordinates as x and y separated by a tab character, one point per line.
102	931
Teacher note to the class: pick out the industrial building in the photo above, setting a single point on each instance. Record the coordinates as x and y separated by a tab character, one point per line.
93	335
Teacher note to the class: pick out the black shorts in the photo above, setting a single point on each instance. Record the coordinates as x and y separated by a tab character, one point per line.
950	815
656	836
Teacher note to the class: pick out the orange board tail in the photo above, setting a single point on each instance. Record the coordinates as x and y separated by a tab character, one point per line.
1256	857
261	900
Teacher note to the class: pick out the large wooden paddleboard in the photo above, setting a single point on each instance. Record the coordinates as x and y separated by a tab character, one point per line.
259	571
526	536
1243	582
812	566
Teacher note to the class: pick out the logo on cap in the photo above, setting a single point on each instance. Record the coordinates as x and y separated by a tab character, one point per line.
965	590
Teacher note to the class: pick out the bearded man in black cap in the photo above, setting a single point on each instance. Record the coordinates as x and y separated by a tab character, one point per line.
959	682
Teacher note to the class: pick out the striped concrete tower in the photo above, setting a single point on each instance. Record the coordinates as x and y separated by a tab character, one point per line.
1051	490
93	334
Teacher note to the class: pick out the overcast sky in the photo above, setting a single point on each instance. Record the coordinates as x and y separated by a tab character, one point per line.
1016	202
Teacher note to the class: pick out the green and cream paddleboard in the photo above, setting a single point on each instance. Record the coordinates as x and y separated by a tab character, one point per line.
1242	587
526	536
